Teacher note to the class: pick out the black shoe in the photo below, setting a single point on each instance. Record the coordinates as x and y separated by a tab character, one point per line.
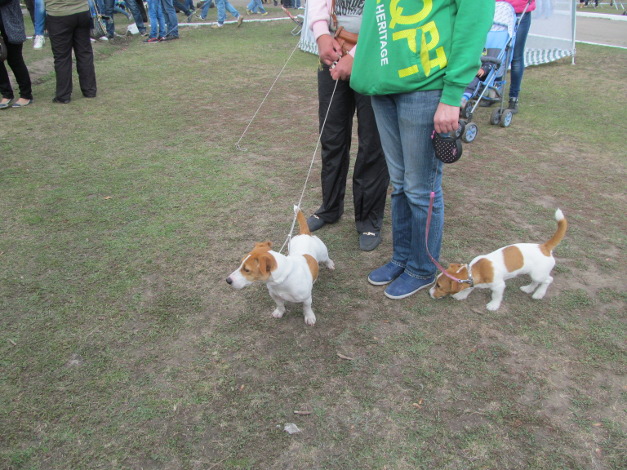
170	38
513	105
368	241
60	101
314	222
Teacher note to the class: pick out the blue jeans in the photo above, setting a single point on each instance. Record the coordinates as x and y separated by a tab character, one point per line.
518	58
131	5
256	5
40	17
157	19
107	8
223	6
172	22
405	123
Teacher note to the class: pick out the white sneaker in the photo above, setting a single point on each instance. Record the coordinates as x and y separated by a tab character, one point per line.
39	42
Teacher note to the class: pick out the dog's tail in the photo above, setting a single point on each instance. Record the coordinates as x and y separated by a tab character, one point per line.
302	222
562	225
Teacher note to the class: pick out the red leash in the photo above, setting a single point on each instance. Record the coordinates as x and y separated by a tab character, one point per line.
433	260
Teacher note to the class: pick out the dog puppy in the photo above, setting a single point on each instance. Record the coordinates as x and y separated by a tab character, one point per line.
288	278
492	270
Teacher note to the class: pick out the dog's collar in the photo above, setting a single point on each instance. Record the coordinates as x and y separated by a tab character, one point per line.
470	280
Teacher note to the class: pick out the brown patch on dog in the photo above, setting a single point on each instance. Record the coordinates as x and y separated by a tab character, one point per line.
258	264
313	266
513	258
483	271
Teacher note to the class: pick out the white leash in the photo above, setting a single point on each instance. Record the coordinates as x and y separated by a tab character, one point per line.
264	100
313	159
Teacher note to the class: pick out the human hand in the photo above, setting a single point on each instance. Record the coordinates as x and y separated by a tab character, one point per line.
446	118
342	70
329	49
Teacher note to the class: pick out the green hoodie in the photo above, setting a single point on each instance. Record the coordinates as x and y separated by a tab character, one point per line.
414	45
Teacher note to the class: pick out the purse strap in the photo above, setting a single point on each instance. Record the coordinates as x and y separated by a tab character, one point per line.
333	17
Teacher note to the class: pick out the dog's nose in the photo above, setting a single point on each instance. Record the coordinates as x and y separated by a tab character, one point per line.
229	280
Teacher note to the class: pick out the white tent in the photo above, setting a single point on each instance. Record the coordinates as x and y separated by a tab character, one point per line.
552	34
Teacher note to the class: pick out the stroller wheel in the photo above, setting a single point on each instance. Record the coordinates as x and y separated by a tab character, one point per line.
470	132
466	110
496	117
506	118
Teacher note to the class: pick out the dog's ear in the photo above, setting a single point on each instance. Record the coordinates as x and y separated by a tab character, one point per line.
454	267
267	264
267	245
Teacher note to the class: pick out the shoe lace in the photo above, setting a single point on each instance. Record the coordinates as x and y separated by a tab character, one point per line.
370	234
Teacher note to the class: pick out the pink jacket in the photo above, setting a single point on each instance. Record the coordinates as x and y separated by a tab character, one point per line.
319	16
519	5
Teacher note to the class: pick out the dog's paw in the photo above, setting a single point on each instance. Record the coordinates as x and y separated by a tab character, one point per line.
528	289
310	319
278	313
330	265
538	295
493	306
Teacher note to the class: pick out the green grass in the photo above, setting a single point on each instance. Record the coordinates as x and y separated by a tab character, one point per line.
121	346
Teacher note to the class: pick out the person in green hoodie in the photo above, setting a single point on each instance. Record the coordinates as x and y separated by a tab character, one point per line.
415	58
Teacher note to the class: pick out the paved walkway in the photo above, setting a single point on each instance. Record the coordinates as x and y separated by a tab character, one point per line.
607	30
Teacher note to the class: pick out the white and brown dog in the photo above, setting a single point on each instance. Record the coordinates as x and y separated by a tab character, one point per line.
492	270
288	278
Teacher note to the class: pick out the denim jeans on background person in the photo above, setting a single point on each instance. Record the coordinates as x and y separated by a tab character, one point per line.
132	6
405	123
157	19
223	6
107	8
256	6
171	21
518	57
40	17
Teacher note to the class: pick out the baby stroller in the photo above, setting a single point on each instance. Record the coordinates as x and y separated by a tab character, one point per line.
490	88
298	21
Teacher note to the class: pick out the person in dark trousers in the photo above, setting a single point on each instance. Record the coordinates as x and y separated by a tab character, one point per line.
370	174
13	34
69	23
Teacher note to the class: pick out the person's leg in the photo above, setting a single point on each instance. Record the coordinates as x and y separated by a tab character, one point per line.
182	7
518	61
251	6
15	60
220	5
40	17
109	6
231	9
6	90
84	55
30	6
205	9
260	7
131	5
335	142
370	175
60	32
405	124
172	22
153	15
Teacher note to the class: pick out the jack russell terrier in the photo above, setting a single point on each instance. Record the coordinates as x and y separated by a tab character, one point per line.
492	270
288	278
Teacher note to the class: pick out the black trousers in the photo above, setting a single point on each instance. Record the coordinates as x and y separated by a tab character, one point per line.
370	174
15	60
67	34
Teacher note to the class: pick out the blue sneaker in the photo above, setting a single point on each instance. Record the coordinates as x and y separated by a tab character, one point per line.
406	285
385	274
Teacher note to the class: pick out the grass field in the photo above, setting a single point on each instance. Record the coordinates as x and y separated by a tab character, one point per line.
122	347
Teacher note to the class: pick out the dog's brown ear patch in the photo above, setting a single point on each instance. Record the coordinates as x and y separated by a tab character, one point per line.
267	264
267	245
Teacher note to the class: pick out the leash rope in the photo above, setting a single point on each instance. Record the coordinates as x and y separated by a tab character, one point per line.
433	260
313	159
237	144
